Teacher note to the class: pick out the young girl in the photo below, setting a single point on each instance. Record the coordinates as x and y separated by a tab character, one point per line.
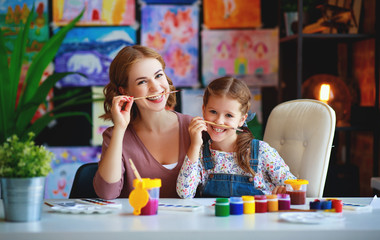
156	139
229	163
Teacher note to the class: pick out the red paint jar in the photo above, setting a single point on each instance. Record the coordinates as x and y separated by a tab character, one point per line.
283	201
261	203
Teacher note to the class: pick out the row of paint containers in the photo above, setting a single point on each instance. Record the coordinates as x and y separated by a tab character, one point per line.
251	204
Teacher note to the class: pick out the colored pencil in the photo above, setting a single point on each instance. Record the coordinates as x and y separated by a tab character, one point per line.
156	95
224	126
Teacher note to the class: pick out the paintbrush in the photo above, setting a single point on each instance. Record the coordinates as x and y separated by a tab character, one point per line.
135	170
224	126
156	95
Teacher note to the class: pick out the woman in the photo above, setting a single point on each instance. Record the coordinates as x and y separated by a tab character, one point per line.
154	138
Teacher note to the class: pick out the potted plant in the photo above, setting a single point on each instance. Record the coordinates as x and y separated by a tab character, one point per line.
16	114
23	164
23	168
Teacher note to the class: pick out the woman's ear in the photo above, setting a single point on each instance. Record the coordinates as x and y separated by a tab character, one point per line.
122	91
243	119
203	110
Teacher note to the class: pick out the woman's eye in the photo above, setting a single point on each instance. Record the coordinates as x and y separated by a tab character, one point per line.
141	82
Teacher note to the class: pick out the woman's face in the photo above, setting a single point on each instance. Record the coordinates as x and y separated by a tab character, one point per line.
226	111
146	78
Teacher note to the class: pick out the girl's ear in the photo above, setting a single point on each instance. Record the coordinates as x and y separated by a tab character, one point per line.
243	119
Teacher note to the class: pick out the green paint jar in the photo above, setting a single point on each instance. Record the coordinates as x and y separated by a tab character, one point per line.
222	207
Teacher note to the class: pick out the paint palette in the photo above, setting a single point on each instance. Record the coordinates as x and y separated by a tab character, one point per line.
179	207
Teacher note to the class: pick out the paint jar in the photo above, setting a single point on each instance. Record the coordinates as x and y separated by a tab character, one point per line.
144	198
248	204
222	207
296	188
325	205
315	205
272	203
337	205
261	203
283	201
236	206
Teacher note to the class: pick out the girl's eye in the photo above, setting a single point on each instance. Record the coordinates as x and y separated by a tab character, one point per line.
229	116
212	111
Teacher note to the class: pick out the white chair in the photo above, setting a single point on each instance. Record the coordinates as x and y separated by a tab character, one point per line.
302	131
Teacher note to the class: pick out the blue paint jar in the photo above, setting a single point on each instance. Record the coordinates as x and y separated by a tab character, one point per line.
326	204
236	206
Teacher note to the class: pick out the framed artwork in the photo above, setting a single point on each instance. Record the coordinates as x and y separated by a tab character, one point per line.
226	14
172	30
90	51
250	55
97	13
98	124
169	1
65	164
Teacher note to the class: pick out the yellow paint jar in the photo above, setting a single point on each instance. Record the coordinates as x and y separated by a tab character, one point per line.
248	204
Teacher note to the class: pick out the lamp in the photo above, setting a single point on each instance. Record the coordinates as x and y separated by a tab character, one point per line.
331	90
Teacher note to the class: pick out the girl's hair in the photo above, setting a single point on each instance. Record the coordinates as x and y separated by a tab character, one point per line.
238	90
119	73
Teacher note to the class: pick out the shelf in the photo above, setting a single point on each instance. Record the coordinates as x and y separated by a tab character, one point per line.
348	37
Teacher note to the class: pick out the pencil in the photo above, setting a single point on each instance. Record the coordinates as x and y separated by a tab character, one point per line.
135	170
224	126
156	95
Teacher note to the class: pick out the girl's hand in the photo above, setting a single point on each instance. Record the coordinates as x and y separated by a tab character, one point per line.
121	111
196	126
279	190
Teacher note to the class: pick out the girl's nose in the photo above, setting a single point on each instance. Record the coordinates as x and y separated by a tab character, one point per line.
219	119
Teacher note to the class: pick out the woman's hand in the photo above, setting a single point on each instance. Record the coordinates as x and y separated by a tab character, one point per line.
279	190
121	111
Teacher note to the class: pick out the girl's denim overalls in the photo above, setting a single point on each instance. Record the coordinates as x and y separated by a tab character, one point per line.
230	185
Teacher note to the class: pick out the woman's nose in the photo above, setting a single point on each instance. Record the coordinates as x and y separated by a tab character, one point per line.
154	85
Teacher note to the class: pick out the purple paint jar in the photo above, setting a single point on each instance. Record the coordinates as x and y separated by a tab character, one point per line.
283	201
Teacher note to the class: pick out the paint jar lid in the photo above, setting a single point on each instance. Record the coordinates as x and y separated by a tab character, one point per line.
248	198
283	196
236	200
272	196
222	200
260	197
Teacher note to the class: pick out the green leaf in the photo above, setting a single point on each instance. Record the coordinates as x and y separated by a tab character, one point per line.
25	112
5	86
17	59
43	58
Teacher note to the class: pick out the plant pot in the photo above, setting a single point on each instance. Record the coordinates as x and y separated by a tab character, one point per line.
22	198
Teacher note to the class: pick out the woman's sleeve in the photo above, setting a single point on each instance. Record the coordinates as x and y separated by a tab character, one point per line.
102	188
275	167
189	178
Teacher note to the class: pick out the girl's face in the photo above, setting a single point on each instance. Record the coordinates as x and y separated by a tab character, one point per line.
146	78
226	111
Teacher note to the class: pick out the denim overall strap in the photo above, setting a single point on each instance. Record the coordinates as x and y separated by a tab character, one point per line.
254	155
207	160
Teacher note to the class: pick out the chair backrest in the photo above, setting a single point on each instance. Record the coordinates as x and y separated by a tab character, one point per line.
302	131
82	185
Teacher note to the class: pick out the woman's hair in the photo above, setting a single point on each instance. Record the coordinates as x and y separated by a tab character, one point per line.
238	90
119	73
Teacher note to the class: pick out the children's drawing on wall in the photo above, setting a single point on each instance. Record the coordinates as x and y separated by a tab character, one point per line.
225	14
65	164
13	15
251	55
98	12
172	31
90	51
169	1
98	125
